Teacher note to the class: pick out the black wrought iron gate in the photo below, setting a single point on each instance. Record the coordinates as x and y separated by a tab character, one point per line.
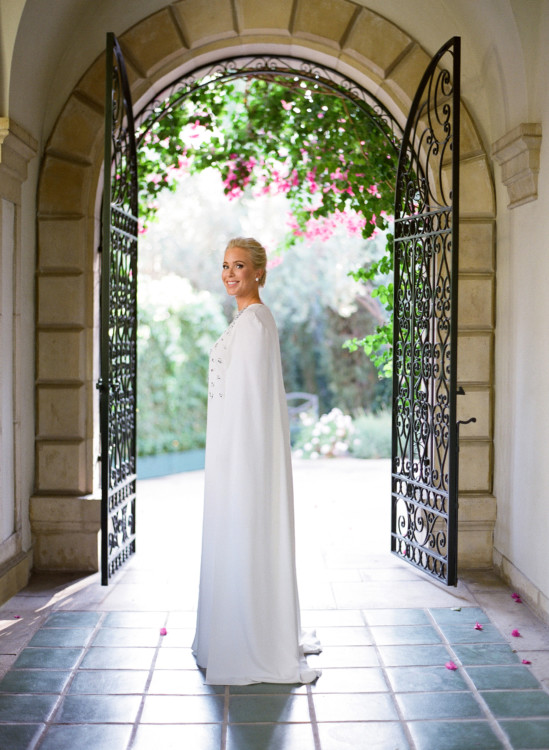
118	321
425	432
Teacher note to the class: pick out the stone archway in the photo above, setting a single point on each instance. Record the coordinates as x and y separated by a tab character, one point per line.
359	43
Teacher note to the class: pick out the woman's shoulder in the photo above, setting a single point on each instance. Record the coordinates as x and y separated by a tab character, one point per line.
258	317
257	312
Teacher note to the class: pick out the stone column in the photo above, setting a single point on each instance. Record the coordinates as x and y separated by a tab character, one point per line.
17	148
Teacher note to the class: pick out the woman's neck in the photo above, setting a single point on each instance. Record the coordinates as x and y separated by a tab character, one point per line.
243	303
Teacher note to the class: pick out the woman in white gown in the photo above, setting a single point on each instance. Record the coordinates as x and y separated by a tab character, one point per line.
248	623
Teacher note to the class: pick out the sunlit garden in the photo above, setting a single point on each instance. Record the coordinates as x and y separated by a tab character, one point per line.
311	178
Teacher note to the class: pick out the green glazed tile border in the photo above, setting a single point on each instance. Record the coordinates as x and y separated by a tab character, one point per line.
27	708
61	637
518	703
20	736
396	617
527	735
502	678
72	620
424	706
414	656
396	635
34	681
454	735
48	658
98	709
489	655
87	737
425	679
248	709
461	616
109	682
252	737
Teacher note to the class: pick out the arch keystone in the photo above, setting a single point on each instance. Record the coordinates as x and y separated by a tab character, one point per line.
264	17
203	22
327	19
153	44
376	43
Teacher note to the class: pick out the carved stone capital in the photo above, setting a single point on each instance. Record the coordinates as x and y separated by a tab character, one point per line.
518	155
17	148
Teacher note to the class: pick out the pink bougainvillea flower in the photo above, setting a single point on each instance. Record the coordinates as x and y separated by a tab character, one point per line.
526	661
515	633
451	666
286	105
517	598
163	631
274	262
478	626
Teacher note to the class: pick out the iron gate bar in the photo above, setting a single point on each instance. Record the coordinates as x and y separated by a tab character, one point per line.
269	67
117	385
424	434
437	351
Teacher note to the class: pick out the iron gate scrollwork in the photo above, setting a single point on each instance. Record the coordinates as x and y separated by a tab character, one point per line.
424	436
118	320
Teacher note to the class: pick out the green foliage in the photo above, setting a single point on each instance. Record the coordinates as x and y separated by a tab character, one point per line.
172	388
377	346
336	434
372	436
328	437
329	159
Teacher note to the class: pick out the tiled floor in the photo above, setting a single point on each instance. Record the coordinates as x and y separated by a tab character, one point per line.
86	667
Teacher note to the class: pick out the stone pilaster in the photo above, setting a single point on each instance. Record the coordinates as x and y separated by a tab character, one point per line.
518	155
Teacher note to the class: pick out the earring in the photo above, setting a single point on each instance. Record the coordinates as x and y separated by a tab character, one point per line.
257	278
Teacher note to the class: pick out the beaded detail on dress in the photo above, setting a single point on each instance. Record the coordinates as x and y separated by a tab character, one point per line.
217	356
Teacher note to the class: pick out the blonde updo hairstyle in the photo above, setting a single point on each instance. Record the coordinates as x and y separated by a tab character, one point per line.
257	254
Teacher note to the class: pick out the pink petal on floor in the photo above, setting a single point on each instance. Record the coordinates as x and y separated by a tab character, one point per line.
518	600
515	633
451	666
17	617
163	631
478	626
526	661
514	595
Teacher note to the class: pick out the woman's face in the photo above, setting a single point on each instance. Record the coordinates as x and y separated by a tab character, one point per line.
239	275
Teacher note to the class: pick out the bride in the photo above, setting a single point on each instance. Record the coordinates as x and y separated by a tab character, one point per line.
248	622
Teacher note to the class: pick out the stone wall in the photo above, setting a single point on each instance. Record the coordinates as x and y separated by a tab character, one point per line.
175	40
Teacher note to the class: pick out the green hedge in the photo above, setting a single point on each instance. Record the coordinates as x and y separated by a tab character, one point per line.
177	328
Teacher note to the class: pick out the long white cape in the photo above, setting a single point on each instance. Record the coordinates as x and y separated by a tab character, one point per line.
248	623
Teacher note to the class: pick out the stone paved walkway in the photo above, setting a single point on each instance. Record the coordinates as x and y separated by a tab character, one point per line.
85	666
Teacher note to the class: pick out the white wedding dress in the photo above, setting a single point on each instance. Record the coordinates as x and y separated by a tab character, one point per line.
248	623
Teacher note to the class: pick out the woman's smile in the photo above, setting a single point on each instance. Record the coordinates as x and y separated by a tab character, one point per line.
240	276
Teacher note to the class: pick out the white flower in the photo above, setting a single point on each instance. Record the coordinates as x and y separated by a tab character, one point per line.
314	455
325	449
298	453
308	446
315	441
